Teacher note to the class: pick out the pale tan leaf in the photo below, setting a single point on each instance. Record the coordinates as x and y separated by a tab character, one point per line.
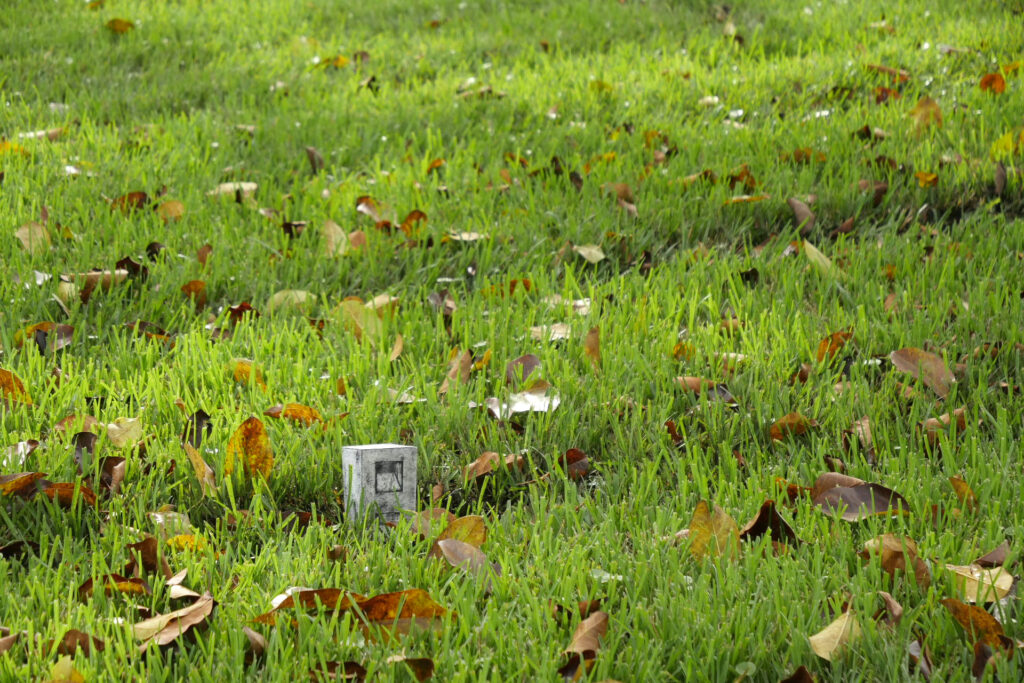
591	253
829	642
977	584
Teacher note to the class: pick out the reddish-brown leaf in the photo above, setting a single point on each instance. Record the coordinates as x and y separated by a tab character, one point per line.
768	520
127	203
592	346
73	642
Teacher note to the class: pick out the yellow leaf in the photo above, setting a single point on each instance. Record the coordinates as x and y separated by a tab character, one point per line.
978	584
8	147
63	671
245	372
186	542
713	533
204	473
925	179
124	431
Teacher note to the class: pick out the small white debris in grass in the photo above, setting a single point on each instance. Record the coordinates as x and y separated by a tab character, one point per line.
603	576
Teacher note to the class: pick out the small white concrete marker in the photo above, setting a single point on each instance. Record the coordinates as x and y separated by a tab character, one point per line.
381	476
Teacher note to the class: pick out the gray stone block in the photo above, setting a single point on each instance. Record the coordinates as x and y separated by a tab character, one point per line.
381	476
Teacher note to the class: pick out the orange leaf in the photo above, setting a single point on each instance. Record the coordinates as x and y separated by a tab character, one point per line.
978	623
925	179
195	290
294	411
993	83
830	345
11	388
64	494
252	445
486	463
964	492
793	424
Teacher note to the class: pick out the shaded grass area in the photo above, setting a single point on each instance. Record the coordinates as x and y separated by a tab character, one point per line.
157	109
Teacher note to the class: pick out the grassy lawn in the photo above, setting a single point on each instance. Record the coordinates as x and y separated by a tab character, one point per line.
749	249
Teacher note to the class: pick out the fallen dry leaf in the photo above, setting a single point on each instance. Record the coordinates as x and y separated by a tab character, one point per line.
831	345
204	473
592	346
927	367
898	554
978	584
34	237
591	253
166	628
976	622
830	641
792	424
934	427
458	371
12	390
244	371
858	501
487	463
995	557
125	431
251	445
713	533
926	113
768	520
296	412
964	492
